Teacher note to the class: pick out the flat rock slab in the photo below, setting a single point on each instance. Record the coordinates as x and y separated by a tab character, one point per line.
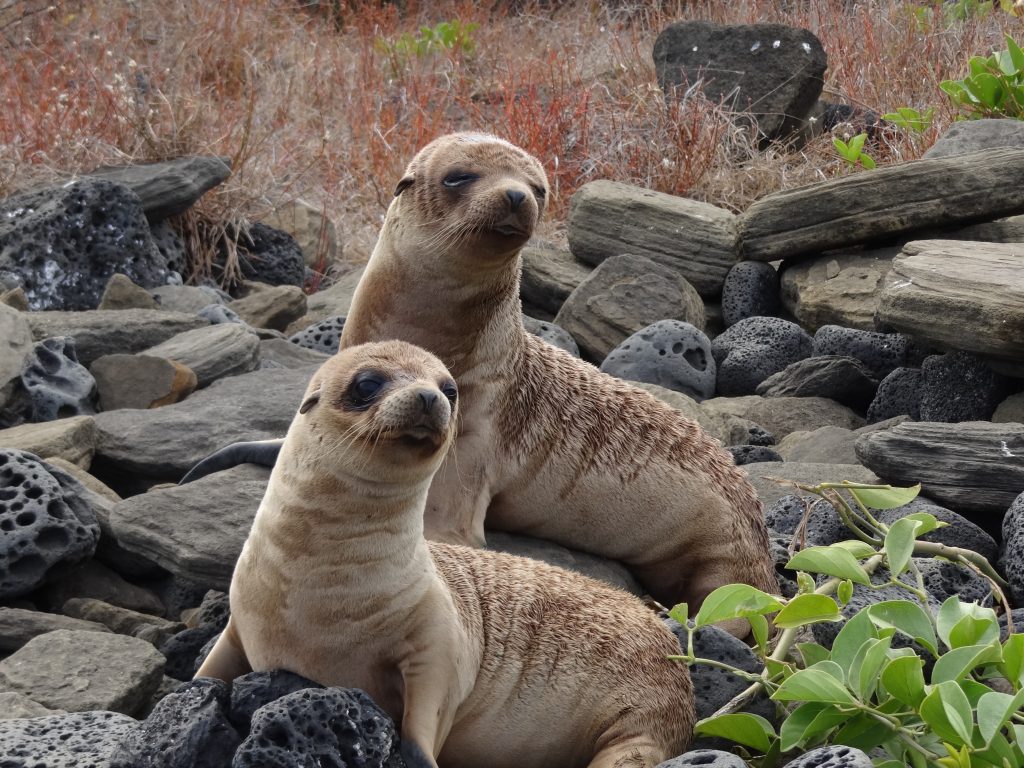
76	740
72	439
973	466
165	442
698	240
888	201
763	476
549	276
168	188
19	625
196	530
225	349
782	415
101	332
82	671
959	295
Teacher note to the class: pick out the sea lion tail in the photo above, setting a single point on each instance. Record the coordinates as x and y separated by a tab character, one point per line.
261	452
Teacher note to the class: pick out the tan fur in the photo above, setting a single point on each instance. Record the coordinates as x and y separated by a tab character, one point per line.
485	659
548	445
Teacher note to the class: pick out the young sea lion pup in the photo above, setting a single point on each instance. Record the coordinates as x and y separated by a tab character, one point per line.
486	660
548	446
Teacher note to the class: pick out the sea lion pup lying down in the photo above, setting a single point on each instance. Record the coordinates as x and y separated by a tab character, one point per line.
548	446
485	659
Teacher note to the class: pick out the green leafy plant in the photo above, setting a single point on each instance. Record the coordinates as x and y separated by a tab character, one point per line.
994	87
444	37
909	119
869	691
853	151
950	12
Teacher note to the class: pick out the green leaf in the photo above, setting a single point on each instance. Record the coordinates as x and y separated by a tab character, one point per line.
859	549
828	666
960	661
857	143
841	147
986	89
947	711
813	685
863	673
904	679
928	523
844	591
1013	659
680	613
744	728
807	721
808	609
887	497
759	629
995	710
812	653
866	161
734	601
1016	54
978	65
831	561
855	632
954	631
899	544
906	617
862	732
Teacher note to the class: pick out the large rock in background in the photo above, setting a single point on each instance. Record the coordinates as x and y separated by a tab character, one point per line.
855	209
974	135
311	228
771	70
15	345
225	349
549	276
61	244
959	295
698	240
623	295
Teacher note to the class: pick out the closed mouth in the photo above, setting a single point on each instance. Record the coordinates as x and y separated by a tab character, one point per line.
420	437
509	230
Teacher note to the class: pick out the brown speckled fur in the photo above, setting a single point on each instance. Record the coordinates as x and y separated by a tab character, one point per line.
485	660
548	446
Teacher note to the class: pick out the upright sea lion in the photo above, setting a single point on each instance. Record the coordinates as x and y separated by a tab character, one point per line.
548	446
486	660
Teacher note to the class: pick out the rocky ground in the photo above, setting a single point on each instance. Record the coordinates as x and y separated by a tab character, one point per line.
869	328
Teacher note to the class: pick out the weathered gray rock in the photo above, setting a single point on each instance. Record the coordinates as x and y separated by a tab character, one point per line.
44	522
725	427
772	71
882	353
73	439
829	445
213	352
903	198
123	621
782	415
753	349
122	293
15	298
15	345
836	756
141	381
959	386
669	353
288	354
967	136
106	332
812	519
335	299
844	379
56	384
19	625
274	307
311	228
18	706
270	256
172	247
958	295
1011	409
623	295
1006	230
960	532
553	334
838	288
95	581
899	394
971	467
323	336
188	299
764	476
706	758
75	740
62	243
549	276
1012	553
82	671
168	188
595	567
751	289
697	240
195	530
166	442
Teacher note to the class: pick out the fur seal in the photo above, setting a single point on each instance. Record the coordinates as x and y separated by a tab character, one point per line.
485	659
548	446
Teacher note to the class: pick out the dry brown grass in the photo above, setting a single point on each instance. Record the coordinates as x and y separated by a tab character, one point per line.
307	109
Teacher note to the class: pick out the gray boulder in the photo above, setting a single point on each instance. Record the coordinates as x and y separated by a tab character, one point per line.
959	386
19	625
44	522
322	336
882	353
141	381
898	394
831	757
71	439
751	289
185	298
968	136
122	293
782	415
753	349
705	758
844	379
252	691
670	353
15	346
549	276
213	352
772	480
289	355
271	256
75	740
822	527
1011	558
770	70
61	244
274	307
57	385
553	334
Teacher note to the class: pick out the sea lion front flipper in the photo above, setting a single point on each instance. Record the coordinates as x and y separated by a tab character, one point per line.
226	659
458	500
261	452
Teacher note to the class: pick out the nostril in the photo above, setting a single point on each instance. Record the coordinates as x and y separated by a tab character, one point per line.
428	399
515	197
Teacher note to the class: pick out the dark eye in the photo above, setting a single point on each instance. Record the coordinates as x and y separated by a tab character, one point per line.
459	179
450	391
540	192
365	387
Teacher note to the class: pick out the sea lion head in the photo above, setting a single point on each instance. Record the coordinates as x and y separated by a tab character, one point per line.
471	195
383	412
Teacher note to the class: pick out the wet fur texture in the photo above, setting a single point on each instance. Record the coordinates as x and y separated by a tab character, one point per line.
548	446
484	659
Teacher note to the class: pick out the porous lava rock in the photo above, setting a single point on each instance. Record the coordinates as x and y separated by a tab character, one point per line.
58	386
753	349
323	336
751	289
670	353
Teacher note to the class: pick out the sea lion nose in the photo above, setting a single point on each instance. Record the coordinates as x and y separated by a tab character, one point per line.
428	398
515	197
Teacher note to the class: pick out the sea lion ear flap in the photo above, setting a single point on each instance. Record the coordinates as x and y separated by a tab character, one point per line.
404	184
312	399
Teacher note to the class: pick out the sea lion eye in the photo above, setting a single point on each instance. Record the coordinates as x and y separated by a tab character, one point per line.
365	387
540	192
458	179
450	391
